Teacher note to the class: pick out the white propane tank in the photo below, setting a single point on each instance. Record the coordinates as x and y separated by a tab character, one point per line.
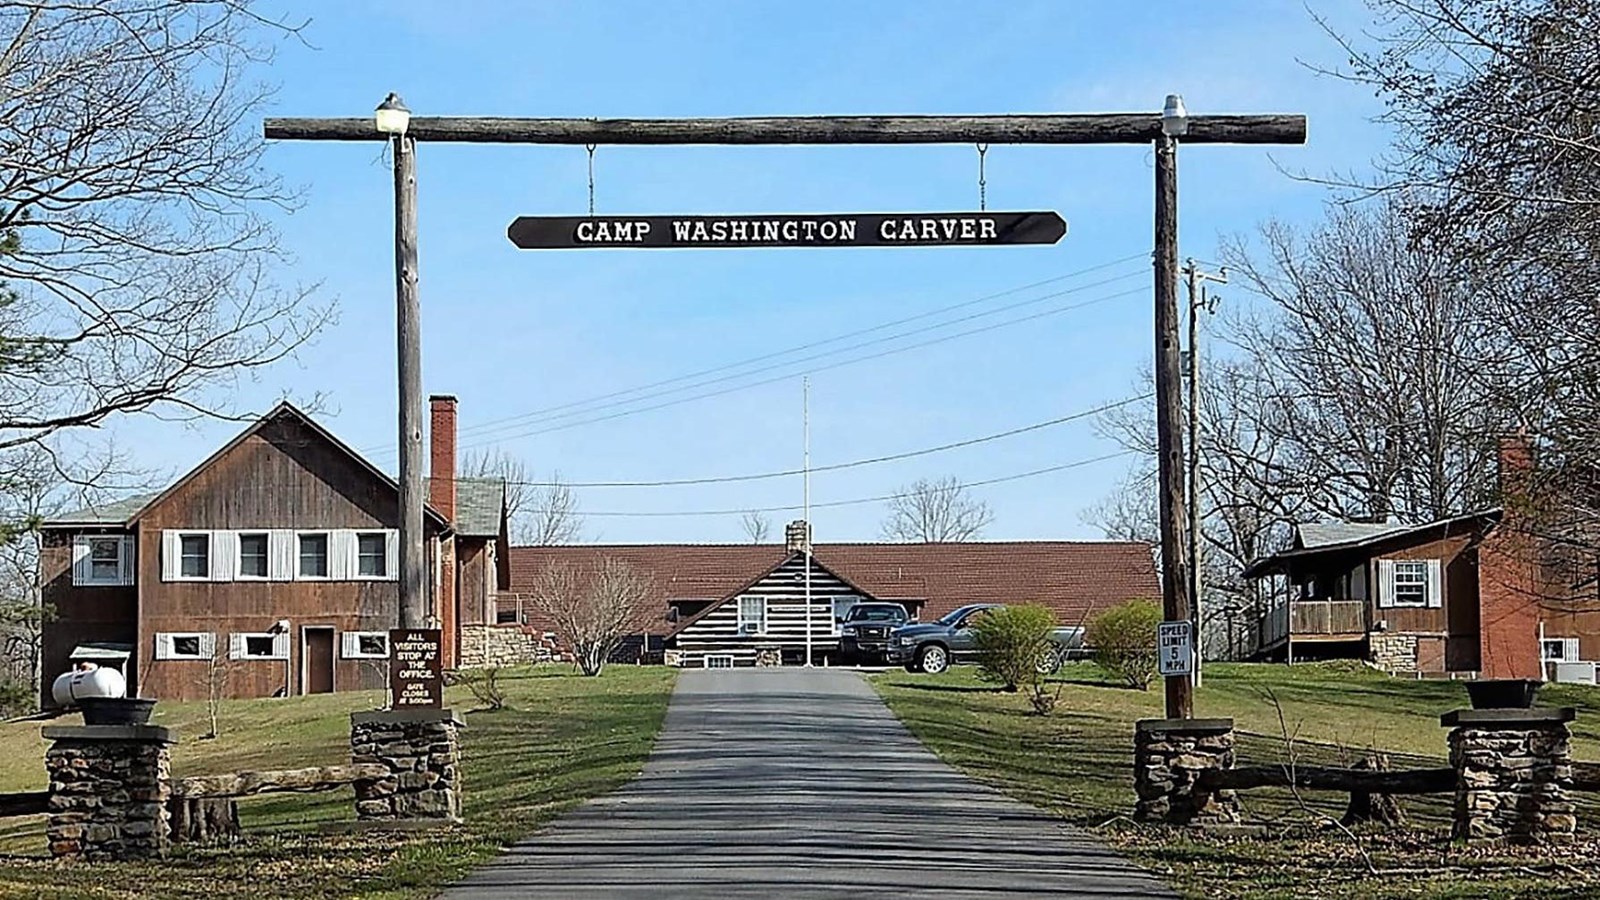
70	687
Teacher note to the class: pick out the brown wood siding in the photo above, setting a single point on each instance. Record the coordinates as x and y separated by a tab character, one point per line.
1460	587
477	581
283	476
79	614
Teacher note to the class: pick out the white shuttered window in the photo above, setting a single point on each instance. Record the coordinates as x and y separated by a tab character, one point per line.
185	645
102	560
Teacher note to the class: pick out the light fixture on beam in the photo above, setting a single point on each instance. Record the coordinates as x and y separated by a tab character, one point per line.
1174	118
392	117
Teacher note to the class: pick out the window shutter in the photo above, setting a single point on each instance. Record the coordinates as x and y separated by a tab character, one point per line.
169	556
125	560
1385	583
280	645
342	563
163	646
350	644
224	555
391	554
80	560
1569	649
1435	584
236	646
208	646
280	554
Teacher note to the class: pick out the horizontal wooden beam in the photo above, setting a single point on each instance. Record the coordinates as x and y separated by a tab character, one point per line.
242	784
1320	778
1104	128
27	803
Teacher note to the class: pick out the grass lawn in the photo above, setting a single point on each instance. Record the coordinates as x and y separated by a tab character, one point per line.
1078	763
563	738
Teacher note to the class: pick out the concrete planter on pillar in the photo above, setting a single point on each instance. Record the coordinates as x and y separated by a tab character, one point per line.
423	753
1168	756
108	791
1513	771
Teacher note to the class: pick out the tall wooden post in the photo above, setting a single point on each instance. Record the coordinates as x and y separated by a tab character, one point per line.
1175	604
408	327
1192	465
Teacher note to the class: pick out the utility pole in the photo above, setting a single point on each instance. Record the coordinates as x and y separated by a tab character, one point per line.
1175	606
805	430
393	119
1197	301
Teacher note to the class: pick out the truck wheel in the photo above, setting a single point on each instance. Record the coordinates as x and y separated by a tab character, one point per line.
1049	662
933	659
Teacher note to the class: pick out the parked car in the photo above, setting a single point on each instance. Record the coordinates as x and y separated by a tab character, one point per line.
933	646
864	630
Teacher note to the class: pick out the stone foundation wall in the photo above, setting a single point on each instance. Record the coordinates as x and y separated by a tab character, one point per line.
1168	755
491	646
1393	652
108	791
423	754
1513	768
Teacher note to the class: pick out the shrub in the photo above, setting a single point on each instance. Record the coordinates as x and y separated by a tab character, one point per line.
1124	641
485	687
1011	641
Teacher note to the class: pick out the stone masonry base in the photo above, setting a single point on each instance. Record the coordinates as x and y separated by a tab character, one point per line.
1168	755
421	749
108	791
1513	768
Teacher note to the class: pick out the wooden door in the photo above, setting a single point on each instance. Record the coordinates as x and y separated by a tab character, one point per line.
318	660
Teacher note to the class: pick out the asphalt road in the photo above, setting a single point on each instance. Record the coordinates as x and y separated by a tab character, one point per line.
795	783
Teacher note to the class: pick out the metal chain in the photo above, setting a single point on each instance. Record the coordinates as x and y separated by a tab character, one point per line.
590	148
983	183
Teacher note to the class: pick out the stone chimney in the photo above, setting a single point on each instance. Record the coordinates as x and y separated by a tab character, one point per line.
442	455
797	535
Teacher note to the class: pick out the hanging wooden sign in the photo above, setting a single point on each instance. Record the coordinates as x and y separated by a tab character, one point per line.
830	230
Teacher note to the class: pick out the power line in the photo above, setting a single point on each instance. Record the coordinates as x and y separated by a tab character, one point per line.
857	502
741	387
538	413
578	406
895	457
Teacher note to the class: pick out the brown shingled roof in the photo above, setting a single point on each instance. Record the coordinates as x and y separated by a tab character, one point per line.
1068	577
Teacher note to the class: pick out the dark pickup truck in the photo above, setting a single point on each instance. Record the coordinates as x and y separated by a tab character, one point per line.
864	631
933	646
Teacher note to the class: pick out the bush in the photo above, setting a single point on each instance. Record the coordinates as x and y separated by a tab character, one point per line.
1124	641
1011	642
485	687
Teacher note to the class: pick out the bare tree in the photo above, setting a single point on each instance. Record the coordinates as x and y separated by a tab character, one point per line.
1128	512
136	264
593	609
540	513
935	512
757	527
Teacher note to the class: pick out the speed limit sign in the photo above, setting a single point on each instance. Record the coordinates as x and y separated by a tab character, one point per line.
1175	648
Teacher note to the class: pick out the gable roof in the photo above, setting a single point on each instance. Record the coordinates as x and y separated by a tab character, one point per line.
131	508
480	506
1317	539
1072	578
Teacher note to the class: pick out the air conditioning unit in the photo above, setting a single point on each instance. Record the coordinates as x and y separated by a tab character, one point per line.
1575	672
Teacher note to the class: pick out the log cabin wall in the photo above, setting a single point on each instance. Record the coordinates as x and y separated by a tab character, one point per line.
80	614
782	593
283	476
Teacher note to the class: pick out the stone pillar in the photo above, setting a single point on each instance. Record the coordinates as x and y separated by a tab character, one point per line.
421	749
1168	755
1513	768
108	791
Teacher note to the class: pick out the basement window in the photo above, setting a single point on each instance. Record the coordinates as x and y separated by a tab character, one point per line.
259	646
722	661
365	644
185	645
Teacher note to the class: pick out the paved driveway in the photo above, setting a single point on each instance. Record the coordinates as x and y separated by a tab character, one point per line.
796	783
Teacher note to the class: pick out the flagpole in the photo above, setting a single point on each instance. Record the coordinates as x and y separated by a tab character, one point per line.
805	427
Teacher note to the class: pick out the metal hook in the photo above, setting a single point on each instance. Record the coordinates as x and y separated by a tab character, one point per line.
591	149
983	183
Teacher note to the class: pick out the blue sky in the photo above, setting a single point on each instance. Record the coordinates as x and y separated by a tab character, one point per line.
514	332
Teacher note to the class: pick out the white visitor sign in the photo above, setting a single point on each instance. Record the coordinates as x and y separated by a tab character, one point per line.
1175	648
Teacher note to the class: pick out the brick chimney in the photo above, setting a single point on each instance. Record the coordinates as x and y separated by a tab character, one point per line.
1509	591
797	535
442	455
